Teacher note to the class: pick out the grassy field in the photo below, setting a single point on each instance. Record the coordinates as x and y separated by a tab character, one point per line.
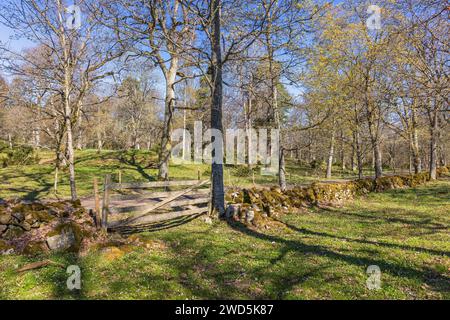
317	254
36	181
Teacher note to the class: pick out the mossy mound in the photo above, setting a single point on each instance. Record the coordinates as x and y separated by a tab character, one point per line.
34	248
27	226
5	247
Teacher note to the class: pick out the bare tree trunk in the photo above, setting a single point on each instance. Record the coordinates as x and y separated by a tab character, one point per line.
274	101
415	156
410	158
218	201
442	158
69	143
281	166
376	148
184	122
68	72
378	161
99	143
359	154
164	153
393	157
80	132
36	137
433	146
55	182
311	156
353	159
330	156
415	144
248	127
342	152
70	151
282	171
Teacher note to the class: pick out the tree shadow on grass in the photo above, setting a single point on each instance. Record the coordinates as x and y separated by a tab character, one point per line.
426	223
132	161
363	241
104	155
163	225
207	275
438	282
32	194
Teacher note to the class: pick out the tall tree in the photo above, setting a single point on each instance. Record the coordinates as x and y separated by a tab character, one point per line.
78	53
158	30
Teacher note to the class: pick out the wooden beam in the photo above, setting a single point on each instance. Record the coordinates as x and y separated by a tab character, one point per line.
153	184
105	208
144	208
97	205
149	219
153	195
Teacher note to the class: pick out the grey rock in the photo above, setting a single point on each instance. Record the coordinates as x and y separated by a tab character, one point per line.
229	212
7	251
13	232
250	216
19	216
232	211
30	218
207	220
5	218
62	241
26	226
35	225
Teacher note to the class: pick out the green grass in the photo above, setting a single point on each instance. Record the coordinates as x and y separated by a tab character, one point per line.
36	181
317	254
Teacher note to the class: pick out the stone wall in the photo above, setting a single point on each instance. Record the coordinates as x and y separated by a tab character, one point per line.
253	206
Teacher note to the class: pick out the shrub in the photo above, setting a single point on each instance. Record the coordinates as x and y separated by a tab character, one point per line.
3	146
21	155
443	171
318	165
244	171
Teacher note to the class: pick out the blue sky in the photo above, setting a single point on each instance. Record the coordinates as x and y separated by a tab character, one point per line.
16	45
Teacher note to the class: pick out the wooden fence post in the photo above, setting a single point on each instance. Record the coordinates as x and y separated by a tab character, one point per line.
97	205
210	204
120	176
198	174
105	203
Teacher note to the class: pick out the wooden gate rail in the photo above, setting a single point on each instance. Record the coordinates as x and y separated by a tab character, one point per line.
143	214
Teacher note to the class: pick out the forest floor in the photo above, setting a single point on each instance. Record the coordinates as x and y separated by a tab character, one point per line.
320	253
33	182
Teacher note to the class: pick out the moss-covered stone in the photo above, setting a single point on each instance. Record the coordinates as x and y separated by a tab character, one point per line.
25	226
65	236
13	232
4	246
42	216
34	248
5	218
246	196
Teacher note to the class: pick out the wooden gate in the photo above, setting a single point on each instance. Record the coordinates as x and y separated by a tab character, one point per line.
131	207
